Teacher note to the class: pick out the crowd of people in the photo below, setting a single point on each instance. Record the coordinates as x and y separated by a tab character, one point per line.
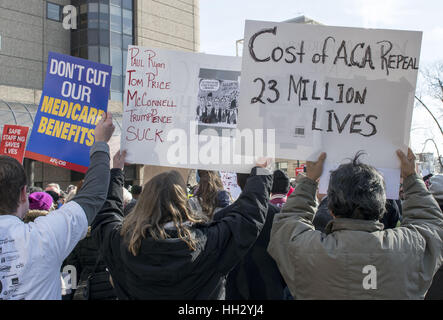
213	110
275	242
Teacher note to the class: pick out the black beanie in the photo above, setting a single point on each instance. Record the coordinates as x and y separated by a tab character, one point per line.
280	183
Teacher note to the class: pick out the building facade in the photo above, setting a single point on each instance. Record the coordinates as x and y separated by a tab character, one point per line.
32	28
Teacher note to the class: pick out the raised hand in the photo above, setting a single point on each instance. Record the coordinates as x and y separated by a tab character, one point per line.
407	163
315	169
118	162
104	129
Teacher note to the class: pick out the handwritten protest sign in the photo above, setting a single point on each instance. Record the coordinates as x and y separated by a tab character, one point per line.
229	180
331	89
180	109
75	96
14	141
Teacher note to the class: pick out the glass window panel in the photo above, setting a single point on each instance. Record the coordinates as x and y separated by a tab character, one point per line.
84	8
116	19
93	15
104	37
116	40
92	37
117	2
127	4
125	58
127	41
104	16
83	38
127	22
116	96
93	7
104	55
84	52
75	53
104	8
116	61
83	20
53	11
116	83
93	54
74	39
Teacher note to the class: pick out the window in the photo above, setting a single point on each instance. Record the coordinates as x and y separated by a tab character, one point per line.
53	11
127	4
116	83
104	16
104	37
127	41
125	58
127	22
116	96
104	55
116	40
92	37
116	61
93	54
93	15
283	166
116	19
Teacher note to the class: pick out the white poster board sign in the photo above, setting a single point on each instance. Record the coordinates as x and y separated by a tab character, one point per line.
181	110
229	180
332	89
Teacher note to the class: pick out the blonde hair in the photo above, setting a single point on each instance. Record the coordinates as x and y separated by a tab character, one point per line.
31	215
162	200
207	194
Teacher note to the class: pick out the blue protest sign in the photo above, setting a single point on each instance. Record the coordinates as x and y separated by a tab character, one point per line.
74	97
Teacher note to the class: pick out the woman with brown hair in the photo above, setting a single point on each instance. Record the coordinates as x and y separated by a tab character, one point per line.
210	195
163	250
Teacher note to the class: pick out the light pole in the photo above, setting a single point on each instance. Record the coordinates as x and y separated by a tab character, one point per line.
433	117
436	148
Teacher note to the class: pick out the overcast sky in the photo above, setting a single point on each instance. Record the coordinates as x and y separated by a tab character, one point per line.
222	23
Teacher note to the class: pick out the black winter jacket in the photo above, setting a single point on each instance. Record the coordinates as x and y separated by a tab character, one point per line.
256	276
168	269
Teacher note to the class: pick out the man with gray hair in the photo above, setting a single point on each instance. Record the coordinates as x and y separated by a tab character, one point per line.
355	258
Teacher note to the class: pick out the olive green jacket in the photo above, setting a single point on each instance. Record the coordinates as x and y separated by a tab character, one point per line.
357	259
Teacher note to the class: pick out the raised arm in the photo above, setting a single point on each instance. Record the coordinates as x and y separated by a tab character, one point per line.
233	235
111	213
294	222
63	228
95	187
421	213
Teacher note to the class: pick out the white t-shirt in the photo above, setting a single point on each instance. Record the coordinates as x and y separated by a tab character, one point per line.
31	254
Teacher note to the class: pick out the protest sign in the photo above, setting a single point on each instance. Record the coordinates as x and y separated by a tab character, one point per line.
229	180
299	170
14	141
181	109
332	89
74	97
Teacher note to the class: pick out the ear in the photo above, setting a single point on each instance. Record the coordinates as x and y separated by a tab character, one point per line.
24	194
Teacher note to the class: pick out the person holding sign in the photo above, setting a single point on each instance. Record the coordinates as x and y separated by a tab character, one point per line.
355	258
40	247
163	250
